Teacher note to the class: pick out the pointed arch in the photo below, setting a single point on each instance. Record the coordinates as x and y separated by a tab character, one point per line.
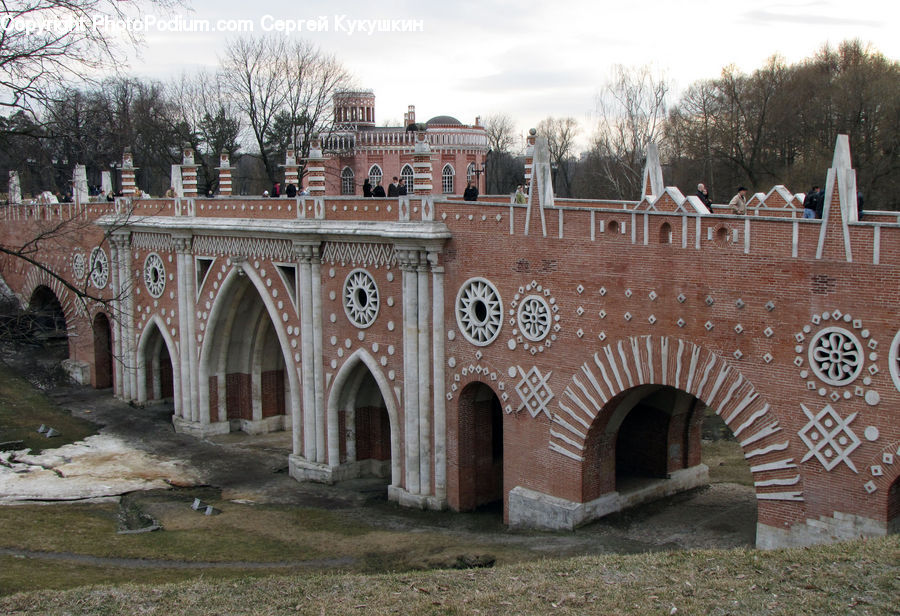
406	172
343	390
375	175
620	367
348	181
155	325
447	178
218	311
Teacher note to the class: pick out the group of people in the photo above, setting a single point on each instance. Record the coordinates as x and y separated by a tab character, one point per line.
395	188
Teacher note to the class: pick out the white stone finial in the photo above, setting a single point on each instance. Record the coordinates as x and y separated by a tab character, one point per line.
80	184
15	188
177	183
841	158
652	172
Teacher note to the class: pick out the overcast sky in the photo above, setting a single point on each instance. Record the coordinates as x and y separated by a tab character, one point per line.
526	58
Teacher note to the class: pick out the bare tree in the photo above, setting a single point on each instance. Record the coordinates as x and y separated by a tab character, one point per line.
632	109
208	120
560	134
45	42
252	71
285	91
503	172
311	79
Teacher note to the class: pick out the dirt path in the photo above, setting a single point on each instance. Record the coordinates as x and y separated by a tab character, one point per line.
150	563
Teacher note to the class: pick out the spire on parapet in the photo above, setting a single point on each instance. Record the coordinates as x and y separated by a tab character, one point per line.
840	203
541	188
652	179
80	184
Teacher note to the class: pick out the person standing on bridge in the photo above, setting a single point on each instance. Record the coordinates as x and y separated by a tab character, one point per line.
738	202
471	192
809	203
703	195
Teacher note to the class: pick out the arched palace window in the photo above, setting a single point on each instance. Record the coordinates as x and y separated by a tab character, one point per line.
348	186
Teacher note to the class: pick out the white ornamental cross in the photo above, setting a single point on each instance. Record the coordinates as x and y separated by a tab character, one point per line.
829	438
534	391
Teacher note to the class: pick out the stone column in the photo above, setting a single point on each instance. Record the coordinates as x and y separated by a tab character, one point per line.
224	170
116	310
188	172
408	260
422	171
189	412
127	316
424	357
128	183
438	353
188	273
315	273
123	306
303	254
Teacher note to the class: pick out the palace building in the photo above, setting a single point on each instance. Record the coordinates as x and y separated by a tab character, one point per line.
359	149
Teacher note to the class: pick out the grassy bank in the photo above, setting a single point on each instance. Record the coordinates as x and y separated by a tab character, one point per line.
861	577
23	409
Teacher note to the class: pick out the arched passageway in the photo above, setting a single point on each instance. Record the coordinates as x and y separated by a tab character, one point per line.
478	456
156	361
365	427
102	376
245	362
47	319
650	444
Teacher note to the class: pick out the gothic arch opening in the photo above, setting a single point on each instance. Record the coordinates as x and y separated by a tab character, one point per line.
103	354
478	456
244	361
365	426
47	320
156	366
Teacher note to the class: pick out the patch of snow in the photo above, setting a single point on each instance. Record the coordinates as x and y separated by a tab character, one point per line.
98	466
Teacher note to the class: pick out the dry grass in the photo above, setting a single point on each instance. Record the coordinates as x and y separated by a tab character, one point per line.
23	409
854	578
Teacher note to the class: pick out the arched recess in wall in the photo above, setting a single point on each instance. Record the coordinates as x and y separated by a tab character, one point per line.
478	457
243	373
158	373
666	378
102	375
665	233
363	420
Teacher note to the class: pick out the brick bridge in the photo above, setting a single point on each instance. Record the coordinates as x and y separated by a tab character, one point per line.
557	355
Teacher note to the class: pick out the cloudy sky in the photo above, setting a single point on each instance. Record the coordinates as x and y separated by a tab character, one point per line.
526	58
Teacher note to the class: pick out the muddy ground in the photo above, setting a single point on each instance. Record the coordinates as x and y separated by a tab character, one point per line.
247	468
